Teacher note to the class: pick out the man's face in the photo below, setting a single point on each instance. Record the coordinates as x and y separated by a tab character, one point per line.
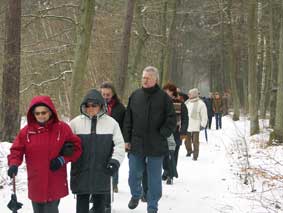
148	80
107	94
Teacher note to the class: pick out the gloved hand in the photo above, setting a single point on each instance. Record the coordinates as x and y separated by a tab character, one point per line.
13	170
67	149
112	167
57	163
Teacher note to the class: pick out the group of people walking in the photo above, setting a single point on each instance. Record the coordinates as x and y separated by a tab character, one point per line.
150	129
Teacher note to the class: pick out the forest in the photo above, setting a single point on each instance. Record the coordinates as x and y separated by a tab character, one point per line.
62	48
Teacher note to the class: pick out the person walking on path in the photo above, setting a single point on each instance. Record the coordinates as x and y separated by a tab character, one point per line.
150	119
179	134
210	113
197	113
103	152
116	110
218	108
48	145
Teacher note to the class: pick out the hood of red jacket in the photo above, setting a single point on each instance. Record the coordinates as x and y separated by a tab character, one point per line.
46	100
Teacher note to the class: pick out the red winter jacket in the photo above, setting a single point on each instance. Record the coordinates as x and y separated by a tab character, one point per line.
41	144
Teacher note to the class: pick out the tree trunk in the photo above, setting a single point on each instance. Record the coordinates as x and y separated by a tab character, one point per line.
171	45
164	39
81	54
265	94
274	15
123	67
278	129
142	37
11	72
252	38
232	64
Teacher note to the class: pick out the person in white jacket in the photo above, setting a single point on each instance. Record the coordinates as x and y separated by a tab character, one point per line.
197	113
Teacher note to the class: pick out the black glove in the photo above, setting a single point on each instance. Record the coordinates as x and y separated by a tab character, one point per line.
67	149
57	163
112	167
13	170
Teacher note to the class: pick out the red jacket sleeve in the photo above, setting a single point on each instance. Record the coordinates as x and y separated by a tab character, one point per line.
17	151
71	137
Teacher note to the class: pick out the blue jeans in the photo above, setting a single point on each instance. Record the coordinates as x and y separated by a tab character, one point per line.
153	166
218	120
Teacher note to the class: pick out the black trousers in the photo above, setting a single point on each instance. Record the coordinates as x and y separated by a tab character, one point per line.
49	207
98	203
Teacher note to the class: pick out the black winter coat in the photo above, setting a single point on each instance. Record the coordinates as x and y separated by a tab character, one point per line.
118	113
150	118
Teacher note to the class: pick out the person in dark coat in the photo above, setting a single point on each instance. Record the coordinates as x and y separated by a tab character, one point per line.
116	110
210	113
179	134
217	105
48	145
150	119
103	152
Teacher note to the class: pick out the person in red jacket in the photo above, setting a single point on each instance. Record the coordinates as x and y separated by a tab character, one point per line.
48	145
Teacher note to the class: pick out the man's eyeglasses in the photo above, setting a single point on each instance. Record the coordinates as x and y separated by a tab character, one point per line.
40	113
92	105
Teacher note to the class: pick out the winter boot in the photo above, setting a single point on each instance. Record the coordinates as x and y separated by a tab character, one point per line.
169	181
164	175
134	202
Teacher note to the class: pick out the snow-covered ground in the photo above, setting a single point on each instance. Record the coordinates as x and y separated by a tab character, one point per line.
235	173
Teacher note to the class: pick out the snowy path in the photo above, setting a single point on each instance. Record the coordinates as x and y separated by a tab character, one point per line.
204	186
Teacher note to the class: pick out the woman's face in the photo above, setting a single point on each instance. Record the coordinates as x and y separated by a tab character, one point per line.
42	114
170	93
107	94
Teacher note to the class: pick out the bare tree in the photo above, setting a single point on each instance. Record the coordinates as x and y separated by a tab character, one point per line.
11	71
81	54
232	63
123	68
253	94
278	129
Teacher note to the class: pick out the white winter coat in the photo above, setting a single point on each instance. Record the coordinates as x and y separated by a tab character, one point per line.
201	119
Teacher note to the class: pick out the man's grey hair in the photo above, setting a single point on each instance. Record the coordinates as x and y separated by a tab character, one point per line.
194	93
152	70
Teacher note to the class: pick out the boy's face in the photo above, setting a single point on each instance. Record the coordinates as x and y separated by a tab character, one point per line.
92	109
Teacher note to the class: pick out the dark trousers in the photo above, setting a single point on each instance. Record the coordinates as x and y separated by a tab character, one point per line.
98	203
169	165
49	207
176	154
218	119
209	122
